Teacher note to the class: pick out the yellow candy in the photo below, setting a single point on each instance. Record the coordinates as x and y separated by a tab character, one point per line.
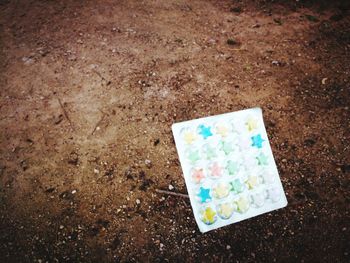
222	130
189	137
252	182
209	216
225	210
251	124
221	190
242	204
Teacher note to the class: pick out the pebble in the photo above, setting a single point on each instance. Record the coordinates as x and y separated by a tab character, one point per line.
96	171
138	201
148	163
228	247
74	191
61	226
170	187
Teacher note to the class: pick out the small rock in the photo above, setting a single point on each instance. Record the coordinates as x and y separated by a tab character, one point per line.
170	187
74	191
236	9
61	226
138	201
96	171
72	58
228	247
231	42
148	163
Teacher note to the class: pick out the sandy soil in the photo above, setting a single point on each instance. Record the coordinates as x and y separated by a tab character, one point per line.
89	90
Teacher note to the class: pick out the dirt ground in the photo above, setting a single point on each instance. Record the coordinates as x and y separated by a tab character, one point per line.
89	90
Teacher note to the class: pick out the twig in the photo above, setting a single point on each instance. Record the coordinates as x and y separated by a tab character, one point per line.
103	78
171	193
65	113
98	123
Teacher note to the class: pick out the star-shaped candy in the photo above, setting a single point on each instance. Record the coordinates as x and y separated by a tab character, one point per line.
251	124
252	181
236	186
216	170
204	195
205	131
257	141
189	137
222	130
221	190
193	156
225	210
226	147
262	159
209	216
210	152
242	204
232	167
198	175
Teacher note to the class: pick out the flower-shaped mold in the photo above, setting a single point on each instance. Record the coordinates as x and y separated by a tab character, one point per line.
221	190
197	174
252	182
262	159
222	129
268	177
188	136
193	155
251	123
208	215
227	147
242	204
225	210
258	199
236	186
274	194
215	170
209	152
232	167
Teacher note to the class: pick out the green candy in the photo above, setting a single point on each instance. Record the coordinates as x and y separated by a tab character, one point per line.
232	167
262	159
193	156
236	186
210	152
226	147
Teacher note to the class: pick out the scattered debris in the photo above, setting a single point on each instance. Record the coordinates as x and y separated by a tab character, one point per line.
171	193
65	113
96	128
73	158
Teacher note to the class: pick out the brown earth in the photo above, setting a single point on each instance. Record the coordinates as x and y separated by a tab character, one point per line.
75	185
